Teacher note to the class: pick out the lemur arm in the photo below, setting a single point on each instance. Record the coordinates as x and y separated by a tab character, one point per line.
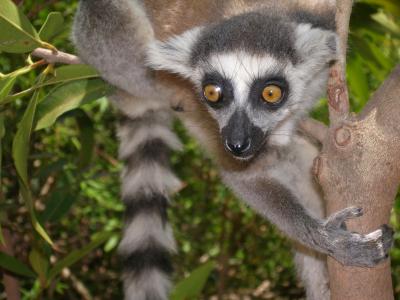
112	35
279	205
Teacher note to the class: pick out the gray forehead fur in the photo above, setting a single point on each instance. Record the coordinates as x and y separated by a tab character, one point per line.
322	20
255	33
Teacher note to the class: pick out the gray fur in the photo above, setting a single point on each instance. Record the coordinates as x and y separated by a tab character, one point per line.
285	209
253	32
100	33
116	37
324	20
98	25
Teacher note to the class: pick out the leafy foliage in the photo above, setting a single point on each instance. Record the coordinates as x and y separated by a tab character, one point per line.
59	193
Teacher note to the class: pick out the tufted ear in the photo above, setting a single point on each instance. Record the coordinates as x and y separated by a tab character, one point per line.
174	54
316	46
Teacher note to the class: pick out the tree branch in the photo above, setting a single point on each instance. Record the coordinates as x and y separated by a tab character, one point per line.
338	98
359	166
314	129
56	57
385	100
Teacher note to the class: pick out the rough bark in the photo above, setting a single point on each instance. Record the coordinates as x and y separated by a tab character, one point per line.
360	166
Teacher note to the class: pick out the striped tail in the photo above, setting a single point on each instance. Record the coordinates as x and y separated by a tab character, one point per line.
147	181
112	35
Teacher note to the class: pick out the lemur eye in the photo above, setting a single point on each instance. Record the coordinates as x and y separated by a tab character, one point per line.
212	93
272	94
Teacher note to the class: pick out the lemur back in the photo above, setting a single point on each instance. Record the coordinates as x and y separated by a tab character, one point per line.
238	73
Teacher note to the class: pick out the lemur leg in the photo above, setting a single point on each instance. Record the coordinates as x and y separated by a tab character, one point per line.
312	270
311	266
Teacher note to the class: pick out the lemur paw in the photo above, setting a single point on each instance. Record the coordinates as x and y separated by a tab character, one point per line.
354	249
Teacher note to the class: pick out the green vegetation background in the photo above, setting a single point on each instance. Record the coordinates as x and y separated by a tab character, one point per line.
74	178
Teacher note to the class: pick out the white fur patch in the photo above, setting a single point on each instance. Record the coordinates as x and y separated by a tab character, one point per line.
135	107
149	178
242	68
282	135
131	141
374	235
174	54
313	272
146	228
151	282
317	47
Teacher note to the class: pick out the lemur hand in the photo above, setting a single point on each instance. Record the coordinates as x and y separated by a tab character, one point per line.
354	249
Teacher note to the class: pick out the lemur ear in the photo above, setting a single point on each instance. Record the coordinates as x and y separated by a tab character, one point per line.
316	44
173	55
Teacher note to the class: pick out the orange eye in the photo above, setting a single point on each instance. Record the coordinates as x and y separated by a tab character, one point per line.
212	93
272	94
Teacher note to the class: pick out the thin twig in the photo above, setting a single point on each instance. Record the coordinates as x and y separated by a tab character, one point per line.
315	129
56	57
338	98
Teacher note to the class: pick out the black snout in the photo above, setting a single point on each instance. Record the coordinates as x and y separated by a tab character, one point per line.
238	147
241	137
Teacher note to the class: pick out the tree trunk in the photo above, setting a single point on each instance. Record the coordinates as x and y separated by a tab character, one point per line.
360	166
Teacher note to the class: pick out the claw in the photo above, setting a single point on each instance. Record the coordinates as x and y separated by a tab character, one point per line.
373	236
337	219
354	249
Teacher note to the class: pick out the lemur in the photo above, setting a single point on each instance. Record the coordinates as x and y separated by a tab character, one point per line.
240	75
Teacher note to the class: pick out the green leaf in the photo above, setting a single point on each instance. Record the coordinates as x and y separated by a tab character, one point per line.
112	243
358	81
52	26
20	147
57	205
39	263
77	255
390	5
70	73
68	97
27	196
63	74
191	287
372	56
2	134
51	168
387	23
20	152
383	60
86	138
12	264
17	35
6	84
2	242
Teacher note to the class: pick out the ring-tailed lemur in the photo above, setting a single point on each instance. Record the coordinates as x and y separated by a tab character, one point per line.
250	70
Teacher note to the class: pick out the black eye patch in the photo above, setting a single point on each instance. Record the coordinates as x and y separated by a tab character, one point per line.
258	86
224	85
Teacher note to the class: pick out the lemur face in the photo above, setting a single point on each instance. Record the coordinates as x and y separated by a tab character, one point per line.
250	97
257	76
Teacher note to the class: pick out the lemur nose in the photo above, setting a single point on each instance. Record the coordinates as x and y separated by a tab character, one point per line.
238	147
